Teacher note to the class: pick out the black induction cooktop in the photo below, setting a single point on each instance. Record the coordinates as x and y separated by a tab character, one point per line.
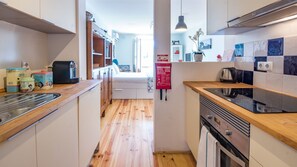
257	100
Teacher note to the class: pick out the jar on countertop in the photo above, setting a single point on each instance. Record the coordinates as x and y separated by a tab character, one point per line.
13	76
27	84
43	80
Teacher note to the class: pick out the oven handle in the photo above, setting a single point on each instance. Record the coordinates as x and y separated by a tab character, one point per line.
233	157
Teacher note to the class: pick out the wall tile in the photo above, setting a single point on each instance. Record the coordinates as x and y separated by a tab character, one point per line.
260	79
259	59
260	48
249	49
290	65
242	63
248	77
289	84
239	50
239	74
277	64
276	47
290	46
274	81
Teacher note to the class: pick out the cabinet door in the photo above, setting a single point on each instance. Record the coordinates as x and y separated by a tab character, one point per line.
269	151
89	124
31	7
60	13
254	163
238	8
216	15
192	120
20	150
57	138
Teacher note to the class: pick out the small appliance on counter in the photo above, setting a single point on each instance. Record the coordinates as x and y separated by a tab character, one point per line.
64	72
228	75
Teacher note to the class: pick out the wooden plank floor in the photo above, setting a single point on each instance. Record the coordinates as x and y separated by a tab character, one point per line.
127	138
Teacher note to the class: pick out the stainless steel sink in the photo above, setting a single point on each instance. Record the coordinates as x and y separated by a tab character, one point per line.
15	105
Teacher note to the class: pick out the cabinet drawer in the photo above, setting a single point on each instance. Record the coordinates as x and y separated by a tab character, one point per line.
124	93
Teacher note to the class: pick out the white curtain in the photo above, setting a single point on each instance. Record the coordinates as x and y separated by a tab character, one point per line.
137	55
143	54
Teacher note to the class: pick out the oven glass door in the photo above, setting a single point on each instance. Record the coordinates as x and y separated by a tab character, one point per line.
227	159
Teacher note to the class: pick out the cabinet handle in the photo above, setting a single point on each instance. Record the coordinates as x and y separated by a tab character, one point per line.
22	131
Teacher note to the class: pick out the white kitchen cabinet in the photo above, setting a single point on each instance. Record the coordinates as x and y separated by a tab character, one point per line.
60	13
31	7
238	8
269	151
222	11
89	124
254	163
192	120
19	150
57	137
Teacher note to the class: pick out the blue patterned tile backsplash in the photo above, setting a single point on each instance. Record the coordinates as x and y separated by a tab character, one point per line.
276	47
290	65
259	59
248	77
239	50
280	52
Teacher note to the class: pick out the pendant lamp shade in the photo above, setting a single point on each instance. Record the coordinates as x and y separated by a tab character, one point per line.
181	25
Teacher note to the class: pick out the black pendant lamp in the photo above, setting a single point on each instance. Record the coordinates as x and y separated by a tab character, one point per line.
181	25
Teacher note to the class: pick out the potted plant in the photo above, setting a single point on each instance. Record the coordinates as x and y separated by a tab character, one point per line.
198	54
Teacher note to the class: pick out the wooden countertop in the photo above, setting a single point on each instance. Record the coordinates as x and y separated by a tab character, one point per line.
68	93
281	126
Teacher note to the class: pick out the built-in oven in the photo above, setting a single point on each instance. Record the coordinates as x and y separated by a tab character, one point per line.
231	132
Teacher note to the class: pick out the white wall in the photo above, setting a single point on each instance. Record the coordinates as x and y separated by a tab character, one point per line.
124	49
91	7
161	46
22	44
169	117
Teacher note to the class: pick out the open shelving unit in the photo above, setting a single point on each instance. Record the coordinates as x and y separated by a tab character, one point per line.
99	61
99	48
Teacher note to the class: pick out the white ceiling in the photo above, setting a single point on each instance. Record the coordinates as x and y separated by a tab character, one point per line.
136	16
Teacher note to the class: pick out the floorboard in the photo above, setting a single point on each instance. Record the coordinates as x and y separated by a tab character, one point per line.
127	138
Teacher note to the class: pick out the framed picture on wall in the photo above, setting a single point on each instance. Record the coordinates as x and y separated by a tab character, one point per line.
205	44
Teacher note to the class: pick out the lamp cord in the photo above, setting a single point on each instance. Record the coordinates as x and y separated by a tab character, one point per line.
181	7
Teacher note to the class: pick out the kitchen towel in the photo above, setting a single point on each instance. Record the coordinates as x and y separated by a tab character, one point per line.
211	151
202	150
207	150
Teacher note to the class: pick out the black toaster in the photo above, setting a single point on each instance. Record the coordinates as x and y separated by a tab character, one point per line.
64	72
